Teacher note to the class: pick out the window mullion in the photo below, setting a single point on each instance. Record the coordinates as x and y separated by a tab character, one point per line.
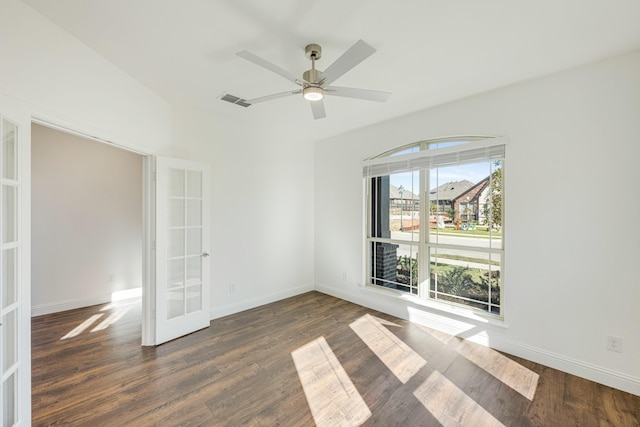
423	249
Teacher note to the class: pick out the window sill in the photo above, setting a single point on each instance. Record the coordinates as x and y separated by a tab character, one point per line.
444	309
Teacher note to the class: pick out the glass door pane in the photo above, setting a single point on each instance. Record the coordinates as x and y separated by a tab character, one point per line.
9	347
9	158
8	277
9	214
9	394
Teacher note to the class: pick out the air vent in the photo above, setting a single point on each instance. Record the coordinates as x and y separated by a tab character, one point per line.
235	100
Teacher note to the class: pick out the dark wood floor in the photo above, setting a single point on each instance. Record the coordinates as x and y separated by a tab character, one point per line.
304	360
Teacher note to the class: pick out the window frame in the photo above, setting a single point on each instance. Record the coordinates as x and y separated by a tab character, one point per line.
425	245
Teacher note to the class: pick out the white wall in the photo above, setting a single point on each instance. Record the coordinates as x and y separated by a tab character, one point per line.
571	202
262	210
58	78
262	184
86	221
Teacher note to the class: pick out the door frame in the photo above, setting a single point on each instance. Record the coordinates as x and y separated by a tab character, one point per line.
148	252
148	220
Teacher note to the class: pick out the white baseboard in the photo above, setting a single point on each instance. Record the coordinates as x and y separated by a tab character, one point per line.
226	310
495	340
599	374
55	307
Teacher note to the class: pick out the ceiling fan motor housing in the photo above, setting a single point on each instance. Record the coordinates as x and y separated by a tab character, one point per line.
311	75
313	52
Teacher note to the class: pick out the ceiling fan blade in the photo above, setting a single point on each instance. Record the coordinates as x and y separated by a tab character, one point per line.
350	92
269	66
352	57
317	108
274	96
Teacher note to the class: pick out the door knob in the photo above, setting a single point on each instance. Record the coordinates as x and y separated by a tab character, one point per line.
205	254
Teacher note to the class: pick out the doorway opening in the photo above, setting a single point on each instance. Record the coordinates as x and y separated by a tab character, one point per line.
88	224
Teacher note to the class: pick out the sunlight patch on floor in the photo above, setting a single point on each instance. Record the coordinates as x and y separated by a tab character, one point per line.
391	350
122	302
385	322
443	337
513	374
82	327
450	405
113	318
126	294
332	397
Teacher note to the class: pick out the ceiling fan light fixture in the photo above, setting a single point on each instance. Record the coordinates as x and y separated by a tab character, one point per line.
312	93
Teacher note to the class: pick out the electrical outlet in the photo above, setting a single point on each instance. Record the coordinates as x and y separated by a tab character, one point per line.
232	288
614	344
345	277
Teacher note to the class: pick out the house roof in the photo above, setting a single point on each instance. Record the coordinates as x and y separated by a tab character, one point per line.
450	190
481	183
394	193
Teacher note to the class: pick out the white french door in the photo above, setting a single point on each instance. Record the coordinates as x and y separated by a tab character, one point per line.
182	263
15	319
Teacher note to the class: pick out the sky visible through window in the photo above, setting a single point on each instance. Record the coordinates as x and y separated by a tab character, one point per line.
474	172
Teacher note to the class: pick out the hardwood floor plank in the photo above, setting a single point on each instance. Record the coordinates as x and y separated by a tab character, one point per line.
548	403
579	395
618	408
241	371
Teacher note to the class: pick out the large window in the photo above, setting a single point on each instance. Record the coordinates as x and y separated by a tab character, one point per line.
435	221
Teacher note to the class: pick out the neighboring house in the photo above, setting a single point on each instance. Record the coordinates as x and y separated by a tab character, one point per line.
445	195
464	197
469	205
405	197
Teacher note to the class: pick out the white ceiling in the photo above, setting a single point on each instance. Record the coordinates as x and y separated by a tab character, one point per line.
428	51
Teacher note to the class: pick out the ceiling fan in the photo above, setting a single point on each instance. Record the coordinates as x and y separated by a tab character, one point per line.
315	84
